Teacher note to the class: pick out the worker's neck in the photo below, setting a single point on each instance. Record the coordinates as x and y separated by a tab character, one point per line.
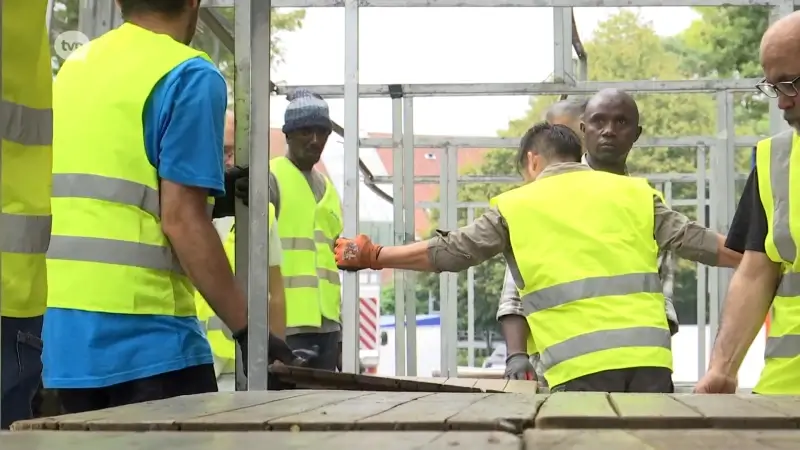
615	168
301	166
174	28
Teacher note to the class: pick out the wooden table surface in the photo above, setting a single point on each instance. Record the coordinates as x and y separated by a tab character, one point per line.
418	440
308	410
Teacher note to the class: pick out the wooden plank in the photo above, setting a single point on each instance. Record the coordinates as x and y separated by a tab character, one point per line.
734	412
491	385
344	415
257	417
161	415
504	412
582	440
522	387
278	440
464	382
577	410
659	439
424	414
788	404
654	411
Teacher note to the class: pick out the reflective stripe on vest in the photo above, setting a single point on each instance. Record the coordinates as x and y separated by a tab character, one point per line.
307	231
781	245
219	336
106	205
26	136
112	251
562	294
593	299
778	171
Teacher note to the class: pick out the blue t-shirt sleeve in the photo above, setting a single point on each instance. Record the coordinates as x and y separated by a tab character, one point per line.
184	124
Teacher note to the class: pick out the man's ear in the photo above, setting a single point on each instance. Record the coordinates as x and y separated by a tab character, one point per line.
638	133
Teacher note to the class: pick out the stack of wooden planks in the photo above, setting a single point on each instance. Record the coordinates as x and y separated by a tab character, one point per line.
385	420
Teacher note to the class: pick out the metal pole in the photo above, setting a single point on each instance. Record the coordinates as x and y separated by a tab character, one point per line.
471	302
350	316
448	281
258	251
399	237
49	17
444	277
722	194
563	68
241	98
451	164
702	293
410	232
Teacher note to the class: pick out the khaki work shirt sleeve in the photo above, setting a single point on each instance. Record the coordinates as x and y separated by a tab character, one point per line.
688	239
471	245
510	303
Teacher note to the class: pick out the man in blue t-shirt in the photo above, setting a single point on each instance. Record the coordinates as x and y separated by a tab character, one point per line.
97	360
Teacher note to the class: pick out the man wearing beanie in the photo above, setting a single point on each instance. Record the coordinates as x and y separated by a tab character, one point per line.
309	216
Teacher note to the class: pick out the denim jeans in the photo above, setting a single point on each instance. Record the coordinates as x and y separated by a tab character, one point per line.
20	367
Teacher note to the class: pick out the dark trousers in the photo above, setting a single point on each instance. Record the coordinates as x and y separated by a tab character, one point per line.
327	343
20	367
191	380
637	379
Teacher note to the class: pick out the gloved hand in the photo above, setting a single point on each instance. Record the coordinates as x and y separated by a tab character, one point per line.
303	356
241	188
357	254
241	338
519	367
224	207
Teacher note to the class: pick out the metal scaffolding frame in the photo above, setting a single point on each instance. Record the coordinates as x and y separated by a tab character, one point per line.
250	43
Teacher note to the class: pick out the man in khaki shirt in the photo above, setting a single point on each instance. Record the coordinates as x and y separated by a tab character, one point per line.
488	236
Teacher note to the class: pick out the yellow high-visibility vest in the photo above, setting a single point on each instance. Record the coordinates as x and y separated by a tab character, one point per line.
26	136
778	162
308	230
592	295
219	335
108	252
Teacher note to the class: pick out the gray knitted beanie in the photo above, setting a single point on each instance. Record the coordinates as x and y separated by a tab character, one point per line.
306	109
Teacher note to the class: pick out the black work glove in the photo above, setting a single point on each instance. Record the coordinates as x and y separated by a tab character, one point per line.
241	188
304	356
225	206
241	338
519	367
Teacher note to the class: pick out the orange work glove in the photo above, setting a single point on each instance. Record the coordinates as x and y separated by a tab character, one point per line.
357	254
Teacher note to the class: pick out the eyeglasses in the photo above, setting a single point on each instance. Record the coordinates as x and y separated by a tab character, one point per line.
787	88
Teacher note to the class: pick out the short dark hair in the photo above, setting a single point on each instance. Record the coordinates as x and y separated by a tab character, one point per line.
553	142
170	8
571	107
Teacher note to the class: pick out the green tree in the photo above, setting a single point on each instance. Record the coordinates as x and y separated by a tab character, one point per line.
724	42
66	17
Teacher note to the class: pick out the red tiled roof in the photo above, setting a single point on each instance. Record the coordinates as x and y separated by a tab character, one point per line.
424	166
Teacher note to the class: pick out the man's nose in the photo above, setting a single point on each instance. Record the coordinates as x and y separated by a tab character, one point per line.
785	102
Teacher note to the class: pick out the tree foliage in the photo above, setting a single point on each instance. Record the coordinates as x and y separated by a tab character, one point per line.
66	17
722	42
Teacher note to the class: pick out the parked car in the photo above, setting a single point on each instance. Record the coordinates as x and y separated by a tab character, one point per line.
497	360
